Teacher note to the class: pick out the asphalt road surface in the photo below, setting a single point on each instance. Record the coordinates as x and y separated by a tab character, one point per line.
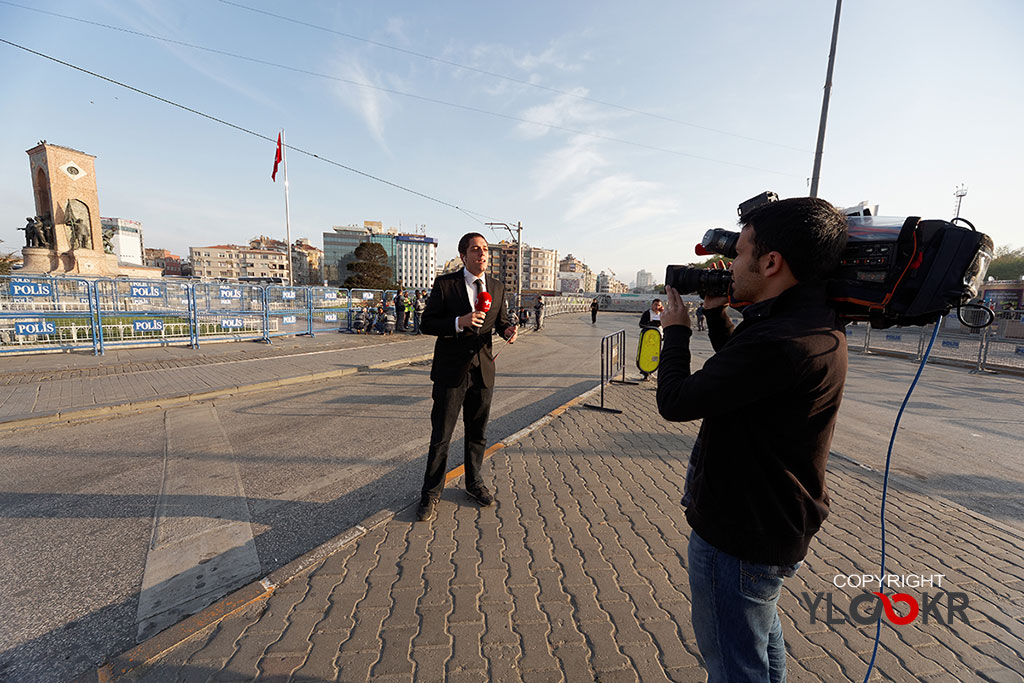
115	528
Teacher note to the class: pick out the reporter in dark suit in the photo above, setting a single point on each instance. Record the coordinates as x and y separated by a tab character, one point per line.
463	368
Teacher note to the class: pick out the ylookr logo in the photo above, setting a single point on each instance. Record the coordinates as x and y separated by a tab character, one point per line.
943	607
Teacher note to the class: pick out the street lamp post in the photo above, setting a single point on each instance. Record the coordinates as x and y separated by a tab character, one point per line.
518	236
959	193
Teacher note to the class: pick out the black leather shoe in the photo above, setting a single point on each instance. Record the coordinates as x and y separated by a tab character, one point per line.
481	495
427	509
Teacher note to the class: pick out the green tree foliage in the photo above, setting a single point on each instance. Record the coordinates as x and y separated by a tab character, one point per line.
710	262
371	269
1008	264
6	261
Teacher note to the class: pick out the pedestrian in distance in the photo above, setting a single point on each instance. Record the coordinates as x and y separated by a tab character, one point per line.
700	317
755	490
463	367
652	316
399	303
418	306
538	314
593	312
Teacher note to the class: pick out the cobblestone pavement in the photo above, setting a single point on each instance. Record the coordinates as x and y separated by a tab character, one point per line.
578	573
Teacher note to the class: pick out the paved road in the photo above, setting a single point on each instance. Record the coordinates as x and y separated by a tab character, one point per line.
127	504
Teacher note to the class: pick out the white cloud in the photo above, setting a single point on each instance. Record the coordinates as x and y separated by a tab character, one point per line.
157	21
395	28
618	201
372	105
575	162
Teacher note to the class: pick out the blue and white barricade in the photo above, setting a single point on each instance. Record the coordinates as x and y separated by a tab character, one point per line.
328	309
39	313
287	311
229	311
134	312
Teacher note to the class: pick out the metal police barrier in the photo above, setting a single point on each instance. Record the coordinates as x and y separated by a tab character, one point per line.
39	313
613	361
857	336
328	309
133	312
287	311
897	340
555	305
1004	341
956	342
365	299
229	311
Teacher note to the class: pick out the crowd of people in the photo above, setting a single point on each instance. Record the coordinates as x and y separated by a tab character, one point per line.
401	314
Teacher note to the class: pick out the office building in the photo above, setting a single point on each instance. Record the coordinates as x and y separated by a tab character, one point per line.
125	237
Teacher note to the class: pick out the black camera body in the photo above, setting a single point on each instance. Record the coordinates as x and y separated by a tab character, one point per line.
894	271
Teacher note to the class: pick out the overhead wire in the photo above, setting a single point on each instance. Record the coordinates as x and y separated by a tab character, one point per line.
505	77
243	129
392	91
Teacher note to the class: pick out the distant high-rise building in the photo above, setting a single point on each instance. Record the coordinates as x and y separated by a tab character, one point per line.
644	280
412	258
539	266
575	276
126	239
231	261
417	261
607	284
168	263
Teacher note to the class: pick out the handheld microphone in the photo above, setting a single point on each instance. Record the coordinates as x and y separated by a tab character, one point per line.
483	302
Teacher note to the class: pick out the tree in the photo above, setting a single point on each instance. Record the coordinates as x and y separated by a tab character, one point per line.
371	269
1008	264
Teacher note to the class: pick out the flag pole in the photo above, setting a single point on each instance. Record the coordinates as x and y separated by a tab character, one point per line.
287	212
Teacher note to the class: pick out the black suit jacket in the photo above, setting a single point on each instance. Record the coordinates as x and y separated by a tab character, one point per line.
455	353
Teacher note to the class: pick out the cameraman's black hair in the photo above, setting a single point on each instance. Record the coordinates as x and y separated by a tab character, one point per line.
809	232
464	242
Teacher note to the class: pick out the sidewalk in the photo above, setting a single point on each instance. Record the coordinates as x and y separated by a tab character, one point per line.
578	574
52	387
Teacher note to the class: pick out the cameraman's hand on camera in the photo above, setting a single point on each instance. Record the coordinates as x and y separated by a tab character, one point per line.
675	312
715	302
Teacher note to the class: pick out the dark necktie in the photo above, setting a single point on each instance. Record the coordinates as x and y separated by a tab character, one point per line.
478	283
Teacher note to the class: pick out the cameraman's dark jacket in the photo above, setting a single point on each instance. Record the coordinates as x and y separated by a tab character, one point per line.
769	398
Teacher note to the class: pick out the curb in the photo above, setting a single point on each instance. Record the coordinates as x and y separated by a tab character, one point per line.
140	657
182	399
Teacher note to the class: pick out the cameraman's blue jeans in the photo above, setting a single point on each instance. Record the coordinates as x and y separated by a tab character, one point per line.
735	615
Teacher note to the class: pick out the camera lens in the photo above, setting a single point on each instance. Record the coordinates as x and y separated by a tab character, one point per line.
705	282
719	241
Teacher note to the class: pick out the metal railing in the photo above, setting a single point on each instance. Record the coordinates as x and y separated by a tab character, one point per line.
613	362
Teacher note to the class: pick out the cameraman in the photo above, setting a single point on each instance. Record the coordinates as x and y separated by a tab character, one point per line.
755	489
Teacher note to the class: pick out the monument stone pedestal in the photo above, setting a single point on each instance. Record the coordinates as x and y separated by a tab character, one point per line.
40	261
91	263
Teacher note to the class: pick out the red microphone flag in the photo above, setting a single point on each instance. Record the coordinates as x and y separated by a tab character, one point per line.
277	158
483	302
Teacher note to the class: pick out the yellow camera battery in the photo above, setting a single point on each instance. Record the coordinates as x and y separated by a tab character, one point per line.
648	350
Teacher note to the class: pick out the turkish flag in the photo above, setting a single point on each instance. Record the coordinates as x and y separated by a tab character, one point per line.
277	158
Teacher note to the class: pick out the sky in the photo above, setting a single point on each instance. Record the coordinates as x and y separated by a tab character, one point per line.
617	132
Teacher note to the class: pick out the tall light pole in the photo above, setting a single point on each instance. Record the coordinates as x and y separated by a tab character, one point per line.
518	237
959	193
824	103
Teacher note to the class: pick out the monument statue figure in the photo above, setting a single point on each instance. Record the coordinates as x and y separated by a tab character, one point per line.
78	232
108	247
36	233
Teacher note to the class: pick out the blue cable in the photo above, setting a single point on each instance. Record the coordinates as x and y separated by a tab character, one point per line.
885	481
